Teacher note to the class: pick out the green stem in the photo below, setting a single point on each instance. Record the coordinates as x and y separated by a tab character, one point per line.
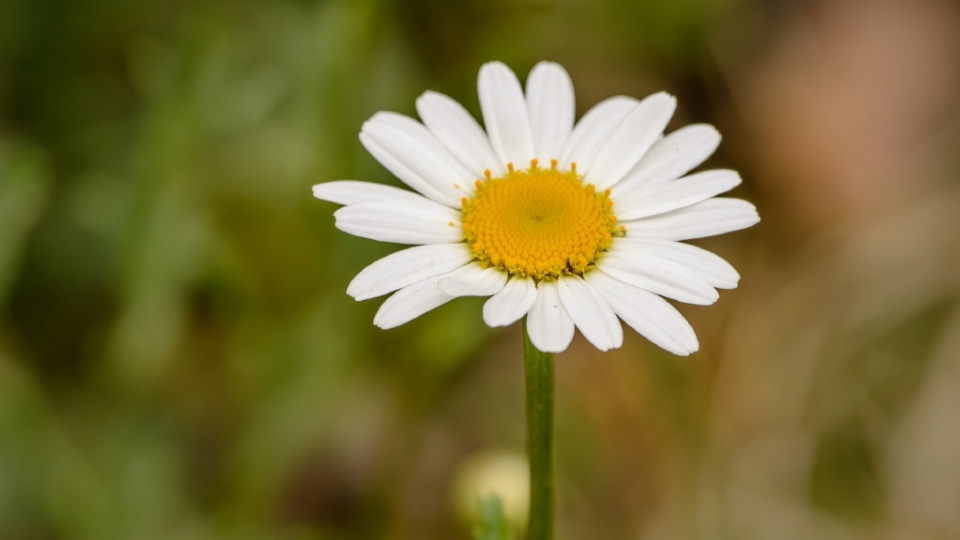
539	369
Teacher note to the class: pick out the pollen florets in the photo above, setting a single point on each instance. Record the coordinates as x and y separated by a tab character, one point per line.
538	222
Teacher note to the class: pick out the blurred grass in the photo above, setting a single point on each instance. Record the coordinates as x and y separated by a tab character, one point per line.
178	358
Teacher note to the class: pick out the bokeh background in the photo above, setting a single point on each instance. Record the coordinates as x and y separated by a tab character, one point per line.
178	357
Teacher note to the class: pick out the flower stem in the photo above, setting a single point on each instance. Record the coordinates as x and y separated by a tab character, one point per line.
539	370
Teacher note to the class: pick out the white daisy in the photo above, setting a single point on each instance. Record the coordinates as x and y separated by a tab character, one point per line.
572	226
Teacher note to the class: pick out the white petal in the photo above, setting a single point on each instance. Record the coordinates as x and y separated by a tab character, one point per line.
473	280
651	316
591	313
709	266
511	303
424	223
630	141
505	114
662	197
406	267
411	302
672	157
552	108
412	154
659	275
549	326
456	130
593	131
353	192
710	217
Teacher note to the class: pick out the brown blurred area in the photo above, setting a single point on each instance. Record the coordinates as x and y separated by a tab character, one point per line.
844	356
178	358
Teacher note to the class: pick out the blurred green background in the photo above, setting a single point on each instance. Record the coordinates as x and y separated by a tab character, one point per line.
178	357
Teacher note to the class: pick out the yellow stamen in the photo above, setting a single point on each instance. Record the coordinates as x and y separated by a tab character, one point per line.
541	223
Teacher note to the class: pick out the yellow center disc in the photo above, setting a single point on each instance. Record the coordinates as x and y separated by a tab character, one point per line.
541	223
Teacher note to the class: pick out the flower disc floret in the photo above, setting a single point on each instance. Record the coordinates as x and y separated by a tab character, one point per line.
542	223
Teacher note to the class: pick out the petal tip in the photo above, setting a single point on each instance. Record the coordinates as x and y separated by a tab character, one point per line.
548	348
712	130
319	192
491	320
493	64
425	99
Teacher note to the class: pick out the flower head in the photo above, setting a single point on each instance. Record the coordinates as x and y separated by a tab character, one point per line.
574	226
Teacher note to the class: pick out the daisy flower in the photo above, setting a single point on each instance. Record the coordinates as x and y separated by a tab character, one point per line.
572	226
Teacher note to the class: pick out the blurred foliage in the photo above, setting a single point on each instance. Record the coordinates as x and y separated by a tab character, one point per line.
178	358
493	525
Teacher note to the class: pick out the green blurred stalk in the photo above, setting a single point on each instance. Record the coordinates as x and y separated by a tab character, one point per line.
539	370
